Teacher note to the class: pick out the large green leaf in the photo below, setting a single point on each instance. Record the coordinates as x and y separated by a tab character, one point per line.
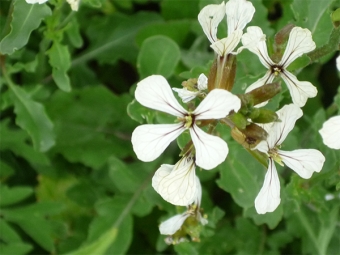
60	62
113	37
241	178
25	18
158	55
315	16
99	246
31	116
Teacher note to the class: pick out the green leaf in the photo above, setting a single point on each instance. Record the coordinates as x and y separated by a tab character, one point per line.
98	247
25	18
113	37
85	132
16	141
10	196
140	113
8	234
15	248
271	219
177	30
313	15
241	178
124	178
60	62
31	116
5	170
113	214
158	55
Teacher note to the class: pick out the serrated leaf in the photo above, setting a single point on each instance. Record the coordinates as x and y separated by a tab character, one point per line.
31	116
25	18
10	196
158	55
60	62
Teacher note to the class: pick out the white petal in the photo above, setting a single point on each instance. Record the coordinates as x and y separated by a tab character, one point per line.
330	132
198	197
239	14
210	150
217	104
202	82
267	78
338	63
263	147
185	94
155	92
300	41
304	161
287	115
172	225
269	197
300	91
177	184
74	4
209	18
149	141
226	45
255	41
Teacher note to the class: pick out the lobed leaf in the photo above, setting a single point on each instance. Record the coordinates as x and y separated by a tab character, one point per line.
25	18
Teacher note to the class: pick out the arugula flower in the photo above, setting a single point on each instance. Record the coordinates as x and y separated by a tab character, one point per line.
303	161
330	132
239	13
150	140
300	41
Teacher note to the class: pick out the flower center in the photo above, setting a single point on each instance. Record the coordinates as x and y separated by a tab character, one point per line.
273	153
188	121
276	70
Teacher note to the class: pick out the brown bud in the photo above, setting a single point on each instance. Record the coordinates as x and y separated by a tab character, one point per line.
250	136
263	93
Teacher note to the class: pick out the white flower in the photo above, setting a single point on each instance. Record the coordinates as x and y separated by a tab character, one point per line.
150	140
303	161
188	95
330	132
74	4
300	41
36	1
177	184
239	13
338	63
172	225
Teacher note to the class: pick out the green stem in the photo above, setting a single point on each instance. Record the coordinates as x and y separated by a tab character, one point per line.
8	21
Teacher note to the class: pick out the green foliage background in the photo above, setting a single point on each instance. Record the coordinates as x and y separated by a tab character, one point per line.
70	181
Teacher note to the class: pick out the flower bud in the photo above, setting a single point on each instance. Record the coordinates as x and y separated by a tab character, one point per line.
250	136
263	93
239	120
261	115
281	39
222	73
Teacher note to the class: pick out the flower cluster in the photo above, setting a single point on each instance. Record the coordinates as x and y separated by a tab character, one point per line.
209	102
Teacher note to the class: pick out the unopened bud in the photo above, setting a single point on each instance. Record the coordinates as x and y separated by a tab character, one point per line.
336	18
262	115
222	73
250	136
239	120
264	93
281	39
